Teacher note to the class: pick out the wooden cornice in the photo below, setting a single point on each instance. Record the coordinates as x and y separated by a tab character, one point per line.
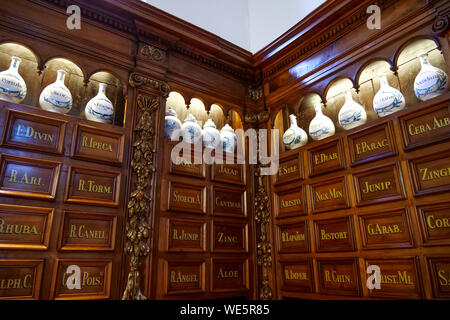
320	14
289	93
332	20
143	21
173	29
326	24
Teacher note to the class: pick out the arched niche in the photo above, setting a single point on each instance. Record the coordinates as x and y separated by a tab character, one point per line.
216	115
114	92
305	109
197	109
176	102
282	123
369	83
335	99
28	68
74	81
408	64
236	120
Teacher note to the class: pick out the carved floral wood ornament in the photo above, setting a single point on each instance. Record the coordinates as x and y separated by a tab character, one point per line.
153	53
264	247
260	117
139	204
137	80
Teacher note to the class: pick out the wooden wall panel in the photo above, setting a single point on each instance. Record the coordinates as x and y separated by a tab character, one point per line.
377	194
40	222
390	210
204	244
380	191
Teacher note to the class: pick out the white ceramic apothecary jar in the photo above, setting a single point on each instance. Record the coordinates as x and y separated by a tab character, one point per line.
229	139
100	108
56	97
210	135
388	99
431	81
321	126
294	137
352	114
172	127
12	86
191	130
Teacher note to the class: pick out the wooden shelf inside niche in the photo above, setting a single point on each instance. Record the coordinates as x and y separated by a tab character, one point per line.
170	144
81	93
66	117
114	92
408	68
409	109
369	85
28	69
409	65
304	111
74	81
177	102
282	123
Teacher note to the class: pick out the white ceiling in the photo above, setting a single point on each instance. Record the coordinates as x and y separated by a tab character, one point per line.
250	24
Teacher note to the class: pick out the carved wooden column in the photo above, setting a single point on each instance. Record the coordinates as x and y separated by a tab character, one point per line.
149	99
262	215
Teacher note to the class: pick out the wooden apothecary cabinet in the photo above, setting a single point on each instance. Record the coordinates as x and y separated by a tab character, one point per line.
108	200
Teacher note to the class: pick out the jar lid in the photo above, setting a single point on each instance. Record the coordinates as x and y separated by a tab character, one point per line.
171	112
227	128
190	118
209	124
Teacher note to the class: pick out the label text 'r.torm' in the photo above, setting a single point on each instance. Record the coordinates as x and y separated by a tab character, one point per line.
91	186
